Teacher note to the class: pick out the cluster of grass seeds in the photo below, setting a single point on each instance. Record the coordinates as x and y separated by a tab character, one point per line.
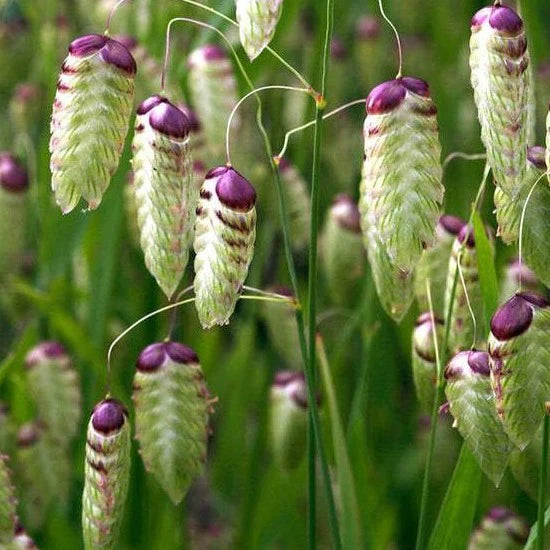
500	528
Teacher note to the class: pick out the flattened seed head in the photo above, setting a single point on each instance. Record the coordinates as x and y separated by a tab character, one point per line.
233	190
346	212
43	351
13	177
535	155
451	224
293	384
108	416
205	54
390	94
501	18
154	355
467	363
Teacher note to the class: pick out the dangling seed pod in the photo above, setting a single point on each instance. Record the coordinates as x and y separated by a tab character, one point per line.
520	364
498	61
224	243
288	418
14	183
257	22
401	189
8	503
107	472
501	529
462	326
472	405
21	540
54	386
343	257
214	93
172	407
424	359
298	204
91	114
434	263
514	274
165	195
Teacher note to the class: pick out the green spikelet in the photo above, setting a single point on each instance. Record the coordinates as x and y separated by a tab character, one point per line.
198	145
500	529
424	359
131	210
343	257
224	243
288	419
519	346
257	22
401	189
13	214
498	61
107	472
54	386
472	405
21	540
462	327
172	407
165	195
434	263
214	93
91	114
8	503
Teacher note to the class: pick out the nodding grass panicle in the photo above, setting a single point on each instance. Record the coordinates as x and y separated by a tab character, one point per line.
106	474
8	503
520	364
257	23
401	189
14	184
424	363
55	387
500	528
213	89
499	62
172	407
225	231
166	196
91	114
471	402
434	263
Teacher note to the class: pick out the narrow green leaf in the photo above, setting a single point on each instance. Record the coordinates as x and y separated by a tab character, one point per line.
533	536
456	516
17	355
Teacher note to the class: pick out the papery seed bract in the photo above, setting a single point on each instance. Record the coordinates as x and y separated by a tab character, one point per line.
225	231
519	348
434	263
424	359
401	190
214	94
514	272
8	503
501	529
166	197
90	119
172	407
472	405
257	22
55	388
343	257
106	474
499	60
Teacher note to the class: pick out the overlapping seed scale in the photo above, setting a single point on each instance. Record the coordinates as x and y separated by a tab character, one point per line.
7	502
508	213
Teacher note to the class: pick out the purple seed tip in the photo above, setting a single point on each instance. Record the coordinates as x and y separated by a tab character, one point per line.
285	377
87	45
505	20
535	155
44	350
385	97
346	213
129	42
458	366
180	353
451	224
118	55
147	104
208	52
294	385
512	318
534	298
426	317
169	120
481	16
108	416
368	28
154	355
467	234
13	177
28	434
479	362
284	164
338	49
216	172
500	514
235	192
416	85
194	122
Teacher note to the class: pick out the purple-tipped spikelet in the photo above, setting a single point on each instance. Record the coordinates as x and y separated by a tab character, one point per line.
500	529
21	540
196	140
90	119
55	387
214	93
166	197
8	503
288	418
107	472
257	22
499	63
434	263
401	190
342	253
514	274
225	231
472	405
172	407
519	348
424	359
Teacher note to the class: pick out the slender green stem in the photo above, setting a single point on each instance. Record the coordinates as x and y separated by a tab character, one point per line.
542	482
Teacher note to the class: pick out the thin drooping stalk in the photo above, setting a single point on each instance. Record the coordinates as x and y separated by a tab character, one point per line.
542	482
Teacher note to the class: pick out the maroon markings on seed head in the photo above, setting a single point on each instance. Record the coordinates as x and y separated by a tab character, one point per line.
44	350
118	55
87	45
451	224
169	120
416	85
458	366
535	155
479	362
13	177
147	104
235	191
216	172
534	298
285	377
426	317
345	211
467	234
500	514
28	434
108	416
385	97
194	122
152	357
512	318
181	353
505	20
208	52
481	16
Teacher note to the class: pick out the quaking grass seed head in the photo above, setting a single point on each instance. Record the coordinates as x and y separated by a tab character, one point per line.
172	407
500	528
225	231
